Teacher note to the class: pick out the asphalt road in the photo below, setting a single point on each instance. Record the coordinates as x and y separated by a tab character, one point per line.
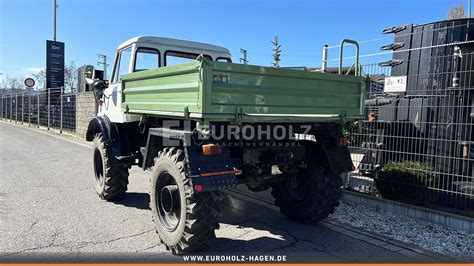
49	212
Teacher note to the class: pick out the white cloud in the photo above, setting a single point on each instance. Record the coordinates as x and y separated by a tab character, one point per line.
33	69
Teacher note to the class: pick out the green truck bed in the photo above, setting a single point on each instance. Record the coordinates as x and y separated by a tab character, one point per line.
216	91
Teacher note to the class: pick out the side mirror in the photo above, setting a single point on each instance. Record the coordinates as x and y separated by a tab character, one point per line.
98	87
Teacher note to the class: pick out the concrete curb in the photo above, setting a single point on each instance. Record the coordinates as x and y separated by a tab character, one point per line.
446	219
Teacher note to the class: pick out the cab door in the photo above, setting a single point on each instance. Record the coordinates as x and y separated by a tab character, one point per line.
112	99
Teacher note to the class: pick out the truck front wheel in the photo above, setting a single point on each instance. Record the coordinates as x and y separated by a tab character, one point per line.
312	194
183	220
110	181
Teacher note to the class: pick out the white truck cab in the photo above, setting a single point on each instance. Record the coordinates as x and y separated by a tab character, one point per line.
150	52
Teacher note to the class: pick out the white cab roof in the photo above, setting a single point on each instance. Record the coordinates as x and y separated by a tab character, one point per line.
169	42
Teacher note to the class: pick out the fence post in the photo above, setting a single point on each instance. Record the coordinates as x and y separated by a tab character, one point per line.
75	111
2	107
49	107
61	116
38	107
29	109
16	107
22	108
11	107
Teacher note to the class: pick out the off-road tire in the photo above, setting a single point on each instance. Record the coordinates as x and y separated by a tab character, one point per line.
323	190
113	183
199	217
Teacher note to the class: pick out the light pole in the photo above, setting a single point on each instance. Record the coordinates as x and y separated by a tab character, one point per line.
469	9
55	6
103	57
244	59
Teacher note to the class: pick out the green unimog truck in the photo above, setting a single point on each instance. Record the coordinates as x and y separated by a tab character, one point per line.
201	123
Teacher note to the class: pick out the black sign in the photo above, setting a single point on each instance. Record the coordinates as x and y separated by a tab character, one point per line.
54	64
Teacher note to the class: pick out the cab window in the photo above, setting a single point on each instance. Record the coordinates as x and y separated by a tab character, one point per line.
146	58
121	67
175	57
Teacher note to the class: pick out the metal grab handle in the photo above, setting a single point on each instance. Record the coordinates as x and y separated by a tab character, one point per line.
341	52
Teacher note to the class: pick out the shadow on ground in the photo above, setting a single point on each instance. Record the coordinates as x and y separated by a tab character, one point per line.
250	229
137	200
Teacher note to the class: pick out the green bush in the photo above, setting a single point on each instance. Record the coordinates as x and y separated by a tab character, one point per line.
407	181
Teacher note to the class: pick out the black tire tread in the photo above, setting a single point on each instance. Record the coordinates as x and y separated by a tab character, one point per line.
324	200
202	209
115	177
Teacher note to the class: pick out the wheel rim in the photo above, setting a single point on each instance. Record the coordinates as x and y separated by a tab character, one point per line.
298	186
98	168
168	201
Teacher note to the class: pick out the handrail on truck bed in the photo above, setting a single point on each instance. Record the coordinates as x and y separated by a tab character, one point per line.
357	65
341	52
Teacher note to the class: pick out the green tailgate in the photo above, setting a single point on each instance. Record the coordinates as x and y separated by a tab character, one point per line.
217	91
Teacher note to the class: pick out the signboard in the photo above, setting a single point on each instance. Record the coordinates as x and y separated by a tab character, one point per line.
54	64
29	82
395	84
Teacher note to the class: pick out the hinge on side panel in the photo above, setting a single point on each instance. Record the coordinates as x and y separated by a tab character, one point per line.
204	129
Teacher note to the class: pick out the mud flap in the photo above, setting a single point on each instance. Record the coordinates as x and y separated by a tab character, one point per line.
338	158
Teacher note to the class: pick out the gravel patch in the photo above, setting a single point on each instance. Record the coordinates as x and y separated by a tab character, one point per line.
432	237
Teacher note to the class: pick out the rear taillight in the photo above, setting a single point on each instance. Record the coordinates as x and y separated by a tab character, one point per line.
211	149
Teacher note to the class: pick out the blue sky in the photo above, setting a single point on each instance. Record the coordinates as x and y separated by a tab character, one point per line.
90	27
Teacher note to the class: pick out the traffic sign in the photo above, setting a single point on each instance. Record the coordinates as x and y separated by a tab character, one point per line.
29	82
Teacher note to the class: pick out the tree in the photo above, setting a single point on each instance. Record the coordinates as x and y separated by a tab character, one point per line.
276	53
11	84
40	78
70	77
456	12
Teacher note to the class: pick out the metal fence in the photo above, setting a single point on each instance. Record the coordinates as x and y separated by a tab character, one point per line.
417	146
46	109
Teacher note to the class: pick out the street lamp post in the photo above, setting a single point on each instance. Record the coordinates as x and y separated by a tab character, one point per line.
55	6
469	9
103	63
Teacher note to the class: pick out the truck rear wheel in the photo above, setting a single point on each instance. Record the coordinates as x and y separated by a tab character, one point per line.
184	220
110	181
312	194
